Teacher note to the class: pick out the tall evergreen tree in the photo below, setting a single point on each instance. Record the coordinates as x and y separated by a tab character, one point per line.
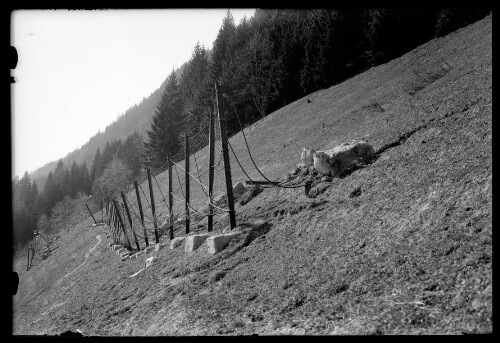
131	153
222	50
264	72
191	84
96	166
167	126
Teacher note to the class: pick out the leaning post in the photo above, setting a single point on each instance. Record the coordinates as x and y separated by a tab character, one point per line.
130	221
140	212
117	212
90	213
225	154
155	224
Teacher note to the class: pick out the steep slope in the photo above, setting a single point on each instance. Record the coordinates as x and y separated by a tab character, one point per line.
402	246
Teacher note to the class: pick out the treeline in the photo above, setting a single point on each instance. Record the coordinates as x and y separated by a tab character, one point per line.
279	56
262	64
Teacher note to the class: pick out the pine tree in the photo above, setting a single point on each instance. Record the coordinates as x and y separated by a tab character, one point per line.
50	193
196	111
264	72
222	51
96	166
164	135
131	153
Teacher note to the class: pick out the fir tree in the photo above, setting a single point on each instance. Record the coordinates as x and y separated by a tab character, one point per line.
164	135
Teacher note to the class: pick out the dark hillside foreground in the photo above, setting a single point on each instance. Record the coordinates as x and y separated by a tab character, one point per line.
401	246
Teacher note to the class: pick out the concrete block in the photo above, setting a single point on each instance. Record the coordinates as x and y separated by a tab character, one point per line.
193	242
176	242
160	246
116	247
219	242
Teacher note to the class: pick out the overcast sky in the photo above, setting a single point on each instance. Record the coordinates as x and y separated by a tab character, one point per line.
79	70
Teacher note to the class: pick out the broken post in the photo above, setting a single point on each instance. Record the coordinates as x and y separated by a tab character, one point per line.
225	154
117	212
211	150
140	212
130	221
90	213
155	224
170	200
186	162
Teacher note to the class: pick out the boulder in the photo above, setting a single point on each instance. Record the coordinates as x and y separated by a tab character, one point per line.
349	155
322	163
339	160
149	261
307	156
238	189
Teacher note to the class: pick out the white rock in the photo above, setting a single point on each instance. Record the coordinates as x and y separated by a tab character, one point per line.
335	161
149	261
348	154
307	156
321	163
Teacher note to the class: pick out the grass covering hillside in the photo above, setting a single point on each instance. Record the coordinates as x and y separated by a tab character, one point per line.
402	246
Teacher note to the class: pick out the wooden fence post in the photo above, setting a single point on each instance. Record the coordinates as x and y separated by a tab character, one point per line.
170	200
211	162
90	213
130	221
117	212
155	224
225	154
140	212
186	162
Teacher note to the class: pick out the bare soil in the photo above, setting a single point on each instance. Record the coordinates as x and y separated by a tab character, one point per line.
400	246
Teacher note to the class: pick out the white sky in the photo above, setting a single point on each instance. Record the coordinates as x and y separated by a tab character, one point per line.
78	70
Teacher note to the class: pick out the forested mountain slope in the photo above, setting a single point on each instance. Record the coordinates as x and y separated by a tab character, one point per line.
401	246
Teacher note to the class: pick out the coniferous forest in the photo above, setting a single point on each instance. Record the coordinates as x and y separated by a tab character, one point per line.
262	64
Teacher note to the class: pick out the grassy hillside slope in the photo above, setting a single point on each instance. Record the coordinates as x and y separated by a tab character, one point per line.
408	253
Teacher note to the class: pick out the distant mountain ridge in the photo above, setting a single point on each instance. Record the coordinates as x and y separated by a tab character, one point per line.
137	118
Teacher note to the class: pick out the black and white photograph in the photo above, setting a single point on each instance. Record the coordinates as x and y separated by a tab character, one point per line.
251	172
